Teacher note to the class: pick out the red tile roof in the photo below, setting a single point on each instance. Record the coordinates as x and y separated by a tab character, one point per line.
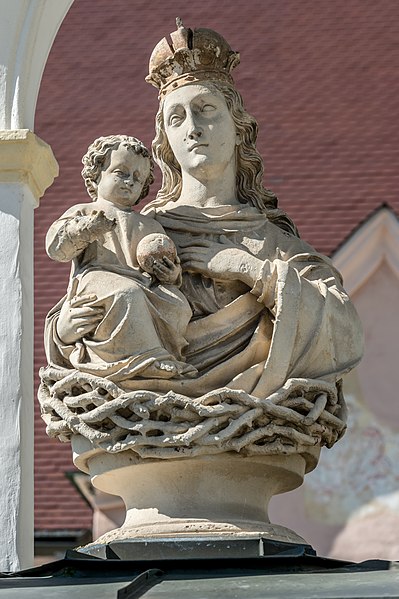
322	78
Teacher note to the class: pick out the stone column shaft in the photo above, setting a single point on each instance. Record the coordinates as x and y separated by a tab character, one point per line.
27	168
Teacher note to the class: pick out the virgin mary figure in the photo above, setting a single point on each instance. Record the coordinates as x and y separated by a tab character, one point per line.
266	306
269	313
272	330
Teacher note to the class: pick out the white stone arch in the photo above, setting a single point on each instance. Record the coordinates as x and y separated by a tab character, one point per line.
27	33
27	168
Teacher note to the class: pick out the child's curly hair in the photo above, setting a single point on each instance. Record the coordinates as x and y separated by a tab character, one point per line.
96	155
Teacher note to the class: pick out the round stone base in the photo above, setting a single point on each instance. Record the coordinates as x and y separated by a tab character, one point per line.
202	529
215	495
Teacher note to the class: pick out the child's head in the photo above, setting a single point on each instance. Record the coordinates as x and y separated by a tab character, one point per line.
99	159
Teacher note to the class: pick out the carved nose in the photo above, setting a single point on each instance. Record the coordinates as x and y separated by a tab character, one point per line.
195	134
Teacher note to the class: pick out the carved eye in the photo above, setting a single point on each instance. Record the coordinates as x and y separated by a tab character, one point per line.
208	108
175	119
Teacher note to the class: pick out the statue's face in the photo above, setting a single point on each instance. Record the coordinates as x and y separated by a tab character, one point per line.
123	177
200	128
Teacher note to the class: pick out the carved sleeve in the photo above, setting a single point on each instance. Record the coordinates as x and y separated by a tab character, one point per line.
67	238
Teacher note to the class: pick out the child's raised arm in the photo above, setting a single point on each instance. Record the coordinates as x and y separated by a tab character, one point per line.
73	232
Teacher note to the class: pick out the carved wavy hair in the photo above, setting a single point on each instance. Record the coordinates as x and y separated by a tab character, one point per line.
249	164
97	154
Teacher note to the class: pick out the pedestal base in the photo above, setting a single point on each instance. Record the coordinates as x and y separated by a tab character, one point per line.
197	547
222	495
204	531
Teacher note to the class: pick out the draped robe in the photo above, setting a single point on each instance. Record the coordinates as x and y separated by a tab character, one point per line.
239	338
297	322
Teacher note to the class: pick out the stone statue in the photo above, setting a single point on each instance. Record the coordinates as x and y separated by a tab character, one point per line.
260	351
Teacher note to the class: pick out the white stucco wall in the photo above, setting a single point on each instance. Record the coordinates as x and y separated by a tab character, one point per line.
16	338
27	168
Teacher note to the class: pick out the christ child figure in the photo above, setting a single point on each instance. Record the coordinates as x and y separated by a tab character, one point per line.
124	316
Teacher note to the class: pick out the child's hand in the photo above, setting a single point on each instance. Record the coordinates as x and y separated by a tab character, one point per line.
99	223
95	224
168	272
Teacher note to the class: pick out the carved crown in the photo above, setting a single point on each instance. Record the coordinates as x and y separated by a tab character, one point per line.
193	55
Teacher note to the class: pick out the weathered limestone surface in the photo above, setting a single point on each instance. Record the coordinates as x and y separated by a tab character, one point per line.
217	382
27	168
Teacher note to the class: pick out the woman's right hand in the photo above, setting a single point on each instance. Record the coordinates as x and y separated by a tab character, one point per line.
78	318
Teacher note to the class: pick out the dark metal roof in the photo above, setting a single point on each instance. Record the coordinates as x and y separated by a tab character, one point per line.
205	569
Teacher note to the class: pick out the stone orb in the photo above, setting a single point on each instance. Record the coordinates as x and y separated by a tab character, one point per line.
154	247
